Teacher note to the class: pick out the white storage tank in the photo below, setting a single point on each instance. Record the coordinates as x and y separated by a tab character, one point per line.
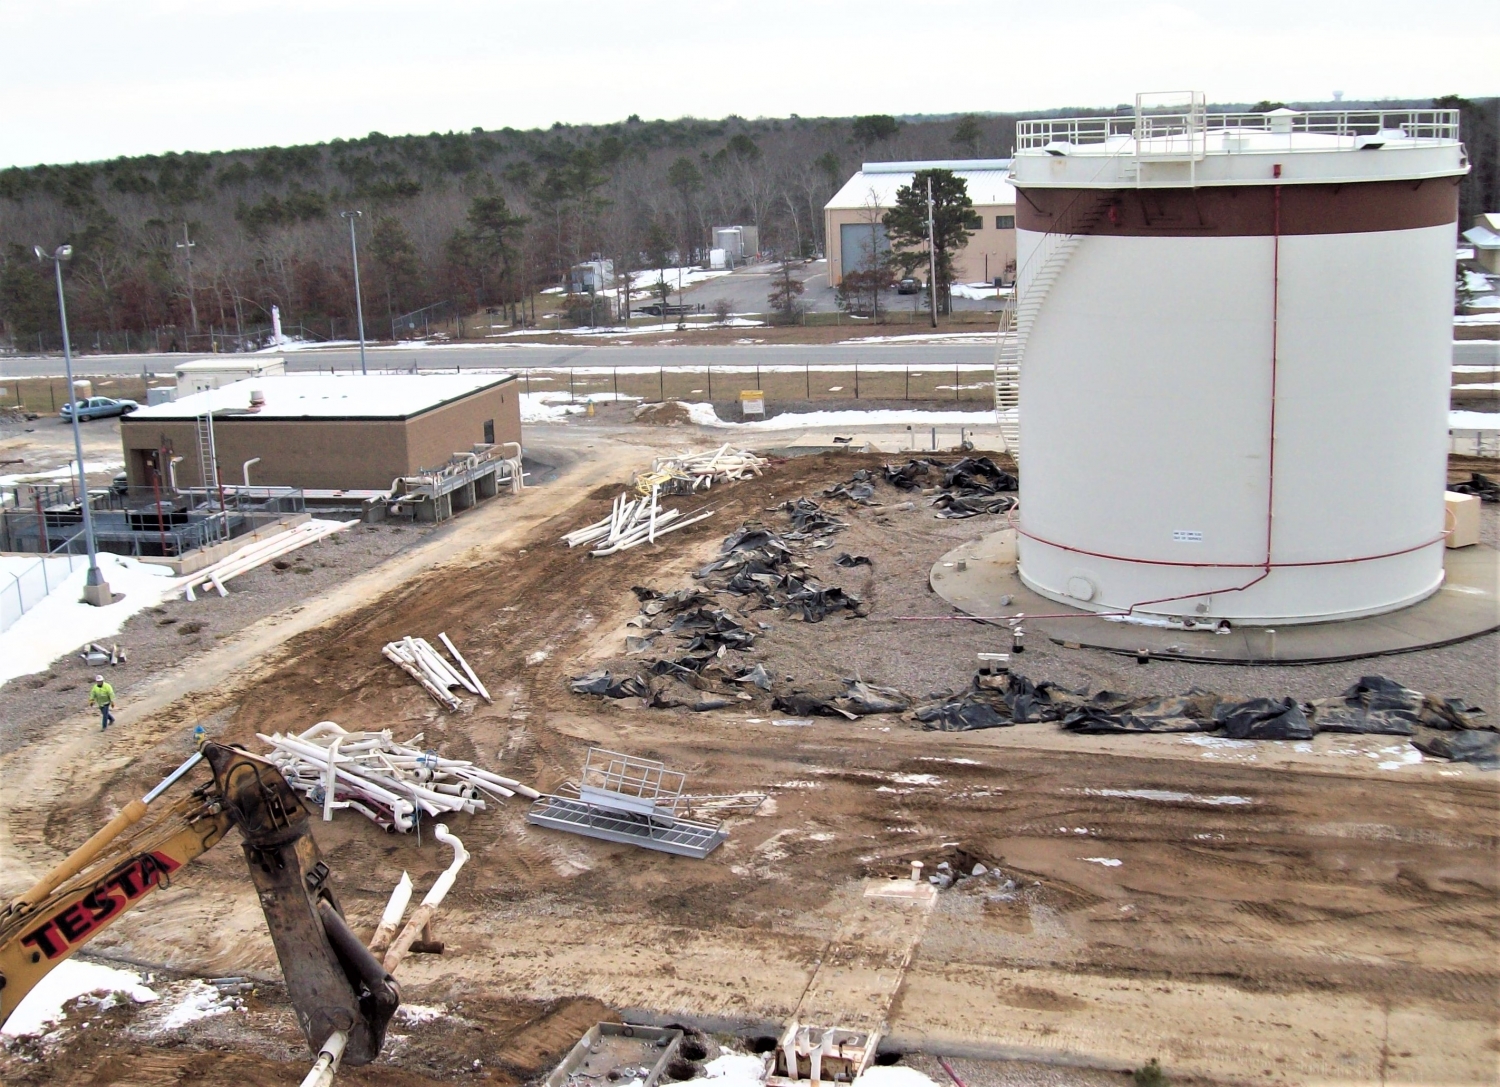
1233	342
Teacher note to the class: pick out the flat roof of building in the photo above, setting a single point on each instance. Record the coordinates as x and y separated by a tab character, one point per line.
328	396
226	364
988	182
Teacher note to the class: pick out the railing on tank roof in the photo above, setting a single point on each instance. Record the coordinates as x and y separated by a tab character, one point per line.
1415	124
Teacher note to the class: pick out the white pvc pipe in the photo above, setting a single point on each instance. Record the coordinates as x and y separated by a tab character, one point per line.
328	780
246	468
322	1072
245	565
444	882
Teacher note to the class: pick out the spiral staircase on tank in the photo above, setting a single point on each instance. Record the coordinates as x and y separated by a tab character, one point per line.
1033	284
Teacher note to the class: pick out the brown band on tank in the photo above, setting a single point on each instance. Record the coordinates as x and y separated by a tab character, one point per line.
1241	210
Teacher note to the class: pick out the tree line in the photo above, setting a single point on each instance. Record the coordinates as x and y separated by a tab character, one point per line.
471	220
477	220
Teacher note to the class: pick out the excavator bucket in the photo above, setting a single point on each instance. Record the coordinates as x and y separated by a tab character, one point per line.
333	981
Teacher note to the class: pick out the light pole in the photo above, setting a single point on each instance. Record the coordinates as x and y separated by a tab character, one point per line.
931	257
187	245
95	589
359	305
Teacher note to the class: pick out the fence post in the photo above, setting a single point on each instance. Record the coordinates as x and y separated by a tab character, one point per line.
570	385
856	379
528	381
710	370
955	381
617	382
807	375
906	370
661	384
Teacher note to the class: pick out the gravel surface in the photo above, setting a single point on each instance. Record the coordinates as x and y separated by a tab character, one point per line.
921	658
163	636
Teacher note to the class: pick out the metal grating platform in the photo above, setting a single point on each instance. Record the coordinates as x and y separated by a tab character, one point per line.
668	834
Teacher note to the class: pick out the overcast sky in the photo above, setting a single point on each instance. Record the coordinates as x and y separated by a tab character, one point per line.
87	79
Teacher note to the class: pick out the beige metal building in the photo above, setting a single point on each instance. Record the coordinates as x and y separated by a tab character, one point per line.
323	432
851	220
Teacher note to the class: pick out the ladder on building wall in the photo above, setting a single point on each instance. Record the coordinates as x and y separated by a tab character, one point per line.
208	460
1033	283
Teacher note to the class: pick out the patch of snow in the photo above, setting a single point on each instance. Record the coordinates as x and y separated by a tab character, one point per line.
200	1001
1477	319
1473	420
704	415
69	979
693	321
1404	755
955	762
325	396
1165	796
67	471
1107	862
1484	301
549	407
929	337
62	623
736	1070
416	1014
1218	741
893	1075
916	779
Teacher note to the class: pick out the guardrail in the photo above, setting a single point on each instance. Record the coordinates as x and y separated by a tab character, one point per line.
1425	125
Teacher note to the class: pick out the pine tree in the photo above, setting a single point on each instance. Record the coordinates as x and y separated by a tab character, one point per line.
906	226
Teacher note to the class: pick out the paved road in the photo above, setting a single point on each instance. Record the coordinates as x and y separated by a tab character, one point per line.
445	359
975	352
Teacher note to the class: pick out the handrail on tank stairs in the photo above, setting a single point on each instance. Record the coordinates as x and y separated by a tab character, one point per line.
1033	282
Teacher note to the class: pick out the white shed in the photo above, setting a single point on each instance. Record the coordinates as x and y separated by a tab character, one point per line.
205	374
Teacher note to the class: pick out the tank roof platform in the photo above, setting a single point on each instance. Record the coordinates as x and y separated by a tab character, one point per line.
1467	606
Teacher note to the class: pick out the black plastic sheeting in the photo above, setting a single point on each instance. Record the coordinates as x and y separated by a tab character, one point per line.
847	560
754	562
857	699
809	519
1445	728
1480	748
1382	706
757	562
1483	486
860	488
972	486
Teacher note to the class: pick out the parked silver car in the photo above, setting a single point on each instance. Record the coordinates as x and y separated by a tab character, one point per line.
98	407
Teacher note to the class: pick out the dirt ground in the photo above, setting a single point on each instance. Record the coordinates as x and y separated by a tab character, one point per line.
179	630
1263	915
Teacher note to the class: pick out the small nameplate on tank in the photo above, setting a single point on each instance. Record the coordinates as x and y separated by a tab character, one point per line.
1186	535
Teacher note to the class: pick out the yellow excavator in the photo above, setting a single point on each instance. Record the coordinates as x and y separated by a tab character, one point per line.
343	996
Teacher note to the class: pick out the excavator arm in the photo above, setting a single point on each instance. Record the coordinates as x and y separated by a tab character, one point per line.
333	981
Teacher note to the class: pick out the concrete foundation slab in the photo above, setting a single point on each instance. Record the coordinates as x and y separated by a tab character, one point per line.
977	576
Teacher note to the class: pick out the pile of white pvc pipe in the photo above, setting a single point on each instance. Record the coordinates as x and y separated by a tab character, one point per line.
417	658
631	522
702	470
258	554
393	784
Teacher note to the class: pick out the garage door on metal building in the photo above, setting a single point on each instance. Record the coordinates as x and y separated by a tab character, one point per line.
858	243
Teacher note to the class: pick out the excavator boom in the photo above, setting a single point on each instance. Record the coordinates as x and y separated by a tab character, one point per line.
333	981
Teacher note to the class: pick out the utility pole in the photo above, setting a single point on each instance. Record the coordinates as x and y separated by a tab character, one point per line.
931	256
95	588
359	305
186	245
